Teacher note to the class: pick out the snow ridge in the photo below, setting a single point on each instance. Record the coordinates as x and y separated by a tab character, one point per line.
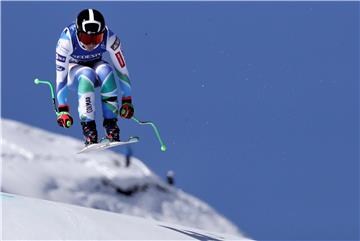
25	218
49	168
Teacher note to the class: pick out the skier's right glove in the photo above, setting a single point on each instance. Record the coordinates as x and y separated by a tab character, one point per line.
64	118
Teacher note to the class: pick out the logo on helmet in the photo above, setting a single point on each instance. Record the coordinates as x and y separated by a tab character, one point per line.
90	21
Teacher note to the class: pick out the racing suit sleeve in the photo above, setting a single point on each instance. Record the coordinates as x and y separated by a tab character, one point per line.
63	50
113	47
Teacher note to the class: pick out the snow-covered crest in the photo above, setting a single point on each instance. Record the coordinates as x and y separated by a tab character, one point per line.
25	218
48	168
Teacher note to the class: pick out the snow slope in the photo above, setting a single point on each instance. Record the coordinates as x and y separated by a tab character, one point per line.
47	167
34	219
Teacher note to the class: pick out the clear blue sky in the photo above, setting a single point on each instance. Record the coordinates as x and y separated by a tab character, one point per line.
258	102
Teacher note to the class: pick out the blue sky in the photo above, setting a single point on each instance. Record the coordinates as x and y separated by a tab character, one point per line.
257	102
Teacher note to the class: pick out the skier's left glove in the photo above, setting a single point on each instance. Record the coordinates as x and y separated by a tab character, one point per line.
127	109
64	118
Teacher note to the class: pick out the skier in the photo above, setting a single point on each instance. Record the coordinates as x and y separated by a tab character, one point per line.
79	67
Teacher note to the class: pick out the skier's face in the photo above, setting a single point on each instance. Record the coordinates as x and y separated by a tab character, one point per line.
89	47
90	41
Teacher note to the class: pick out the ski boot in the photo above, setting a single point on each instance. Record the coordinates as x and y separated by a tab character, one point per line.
112	129
90	132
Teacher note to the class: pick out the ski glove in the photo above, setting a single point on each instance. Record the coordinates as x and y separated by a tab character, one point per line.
127	109
64	118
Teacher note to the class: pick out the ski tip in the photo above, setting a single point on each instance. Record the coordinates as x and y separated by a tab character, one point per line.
134	138
36	81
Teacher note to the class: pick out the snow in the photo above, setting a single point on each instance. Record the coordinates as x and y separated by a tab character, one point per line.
34	219
47	167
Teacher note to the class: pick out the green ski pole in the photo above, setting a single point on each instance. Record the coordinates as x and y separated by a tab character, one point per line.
37	81
163	146
156	130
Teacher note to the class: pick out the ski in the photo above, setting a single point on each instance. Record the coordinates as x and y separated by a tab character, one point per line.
105	144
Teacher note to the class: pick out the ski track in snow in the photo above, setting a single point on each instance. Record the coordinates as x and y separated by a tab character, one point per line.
49	168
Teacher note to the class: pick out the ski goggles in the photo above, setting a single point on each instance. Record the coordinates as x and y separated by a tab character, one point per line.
90	38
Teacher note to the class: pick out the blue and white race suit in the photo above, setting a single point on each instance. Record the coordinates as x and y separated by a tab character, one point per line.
82	71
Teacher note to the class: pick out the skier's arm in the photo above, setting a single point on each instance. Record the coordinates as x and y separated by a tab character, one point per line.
114	49
63	51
